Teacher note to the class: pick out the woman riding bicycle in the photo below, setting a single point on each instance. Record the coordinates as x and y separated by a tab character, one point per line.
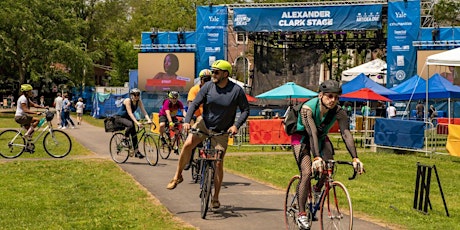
168	112
125	116
24	103
317	116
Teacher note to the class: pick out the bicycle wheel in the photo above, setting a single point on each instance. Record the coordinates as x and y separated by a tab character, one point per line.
195	165
291	205
57	143
150	150
164	149
12	144
179	142
118	152
336	211
206	190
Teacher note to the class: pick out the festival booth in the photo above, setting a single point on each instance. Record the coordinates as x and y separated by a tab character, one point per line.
374	70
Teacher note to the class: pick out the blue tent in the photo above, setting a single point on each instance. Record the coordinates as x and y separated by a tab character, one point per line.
362	81
415	88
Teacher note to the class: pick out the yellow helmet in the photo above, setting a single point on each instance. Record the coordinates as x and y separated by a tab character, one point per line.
26	87
222	65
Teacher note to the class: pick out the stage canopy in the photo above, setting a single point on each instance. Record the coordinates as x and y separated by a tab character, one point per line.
375	70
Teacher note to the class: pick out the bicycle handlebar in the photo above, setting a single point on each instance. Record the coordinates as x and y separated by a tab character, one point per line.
355	172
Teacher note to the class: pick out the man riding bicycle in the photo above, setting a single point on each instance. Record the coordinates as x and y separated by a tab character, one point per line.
169	111
220	98
22	116
317	116
125	116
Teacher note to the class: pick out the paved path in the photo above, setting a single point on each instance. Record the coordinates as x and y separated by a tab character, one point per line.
246	204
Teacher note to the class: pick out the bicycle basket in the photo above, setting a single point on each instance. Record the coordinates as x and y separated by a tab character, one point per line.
111	126
49	116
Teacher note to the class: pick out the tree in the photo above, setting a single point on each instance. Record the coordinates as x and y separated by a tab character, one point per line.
447	12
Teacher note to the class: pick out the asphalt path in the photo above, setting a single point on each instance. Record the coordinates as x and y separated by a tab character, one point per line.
245	204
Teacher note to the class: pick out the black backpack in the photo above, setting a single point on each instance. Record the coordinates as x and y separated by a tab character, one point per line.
290	119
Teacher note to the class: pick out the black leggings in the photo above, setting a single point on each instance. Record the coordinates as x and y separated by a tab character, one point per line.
130	129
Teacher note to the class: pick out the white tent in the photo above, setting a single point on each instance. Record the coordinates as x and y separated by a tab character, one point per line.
375	70
447	58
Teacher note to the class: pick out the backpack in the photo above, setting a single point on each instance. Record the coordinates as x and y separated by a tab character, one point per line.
291	117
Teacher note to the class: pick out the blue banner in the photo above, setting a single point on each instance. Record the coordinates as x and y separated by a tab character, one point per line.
355	17
211	35
403	28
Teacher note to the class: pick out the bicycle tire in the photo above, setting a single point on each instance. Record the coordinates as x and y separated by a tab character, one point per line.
150	150
179	143
10	149
206	190
164	149
195	166
291	205
118	152
336	211
57	143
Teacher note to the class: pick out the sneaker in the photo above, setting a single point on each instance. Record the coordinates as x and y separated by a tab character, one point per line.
125	142
215	204
303	222
73	127
59	127
64	127
139	155
174	182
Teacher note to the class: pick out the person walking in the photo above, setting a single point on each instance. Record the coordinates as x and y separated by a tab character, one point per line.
58	106
79	106
317	117
65	113
391	111
223	98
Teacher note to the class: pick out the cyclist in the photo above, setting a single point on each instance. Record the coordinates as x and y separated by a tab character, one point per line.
22	116
220	98
205	76
317	116
125	116
169	111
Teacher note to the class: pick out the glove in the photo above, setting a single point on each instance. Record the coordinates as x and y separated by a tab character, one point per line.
358	166
171	124
317	165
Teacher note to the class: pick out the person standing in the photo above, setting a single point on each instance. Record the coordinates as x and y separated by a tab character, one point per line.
420	110
23	110
79	106
317	116
58	106
220	98
391	111
365	110
42	101
125	116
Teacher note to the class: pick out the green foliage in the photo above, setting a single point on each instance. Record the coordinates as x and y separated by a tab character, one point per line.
447	12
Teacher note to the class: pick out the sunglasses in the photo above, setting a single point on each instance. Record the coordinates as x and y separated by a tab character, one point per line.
216	71
203	77
331	96
136	94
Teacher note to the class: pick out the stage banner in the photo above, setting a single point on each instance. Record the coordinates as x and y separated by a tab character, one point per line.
353	17
403	28
211	35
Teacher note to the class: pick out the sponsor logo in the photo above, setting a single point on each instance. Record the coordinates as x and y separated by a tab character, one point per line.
400	14
400	32
213	19
242	20
371	17
212	49
400	75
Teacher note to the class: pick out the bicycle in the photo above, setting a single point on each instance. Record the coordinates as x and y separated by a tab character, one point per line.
173	143
334	204
56	143
122	148
207	158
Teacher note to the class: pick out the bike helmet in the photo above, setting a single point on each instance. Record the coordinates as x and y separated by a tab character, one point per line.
173	94
330	86
205	73
222	65
26	87
135	90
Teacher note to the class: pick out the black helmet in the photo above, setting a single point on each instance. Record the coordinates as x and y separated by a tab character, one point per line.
330	86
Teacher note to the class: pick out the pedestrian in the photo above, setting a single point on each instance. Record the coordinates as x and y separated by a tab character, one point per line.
220	98
58	106
391	111
65	113
79	106
42	101
420	111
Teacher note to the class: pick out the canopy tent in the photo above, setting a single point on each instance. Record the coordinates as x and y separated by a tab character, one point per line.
375	70
364	94
415	88
362	81
288	91
447	58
